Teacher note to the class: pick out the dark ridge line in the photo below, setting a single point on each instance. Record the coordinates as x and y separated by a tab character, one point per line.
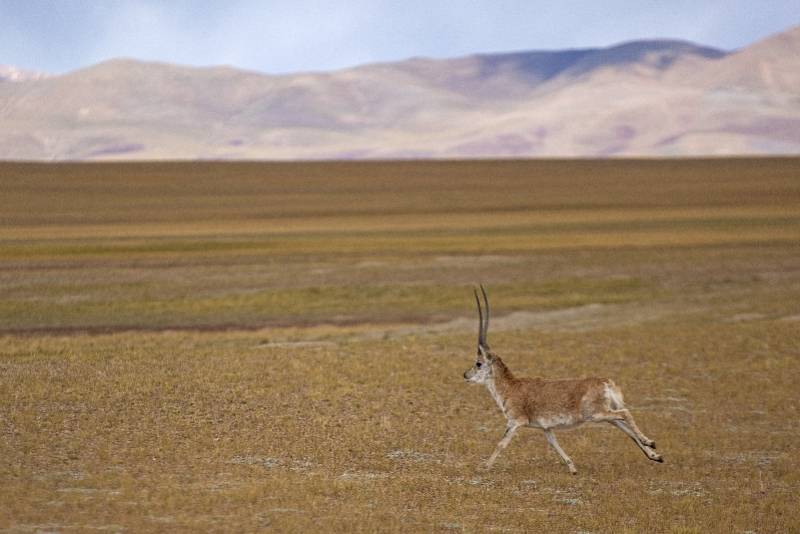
99	330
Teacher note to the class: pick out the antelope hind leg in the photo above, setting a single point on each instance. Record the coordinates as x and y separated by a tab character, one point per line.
650	453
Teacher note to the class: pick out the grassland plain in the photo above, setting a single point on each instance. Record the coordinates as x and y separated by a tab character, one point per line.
247	347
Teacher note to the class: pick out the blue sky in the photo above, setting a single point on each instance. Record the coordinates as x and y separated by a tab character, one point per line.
288	36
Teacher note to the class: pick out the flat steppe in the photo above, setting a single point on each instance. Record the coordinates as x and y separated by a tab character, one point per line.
248	346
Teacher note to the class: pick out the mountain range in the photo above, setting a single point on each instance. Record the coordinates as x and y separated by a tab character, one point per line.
641	98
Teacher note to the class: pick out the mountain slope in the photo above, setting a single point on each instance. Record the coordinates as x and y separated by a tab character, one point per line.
641	98
769	65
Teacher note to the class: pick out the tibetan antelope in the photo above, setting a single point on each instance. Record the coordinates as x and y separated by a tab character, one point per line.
549	404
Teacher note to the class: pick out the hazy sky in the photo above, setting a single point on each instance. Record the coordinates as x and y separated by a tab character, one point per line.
294	35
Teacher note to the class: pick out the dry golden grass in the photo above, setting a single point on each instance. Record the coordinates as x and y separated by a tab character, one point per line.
244	347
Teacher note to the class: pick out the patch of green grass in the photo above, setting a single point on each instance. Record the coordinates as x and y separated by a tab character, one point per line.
489	239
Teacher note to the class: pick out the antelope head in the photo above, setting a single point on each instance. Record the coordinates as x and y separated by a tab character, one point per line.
481	371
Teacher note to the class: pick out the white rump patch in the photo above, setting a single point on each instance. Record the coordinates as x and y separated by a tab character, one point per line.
614	397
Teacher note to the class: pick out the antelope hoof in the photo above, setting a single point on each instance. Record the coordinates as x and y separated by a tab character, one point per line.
572	469
656	458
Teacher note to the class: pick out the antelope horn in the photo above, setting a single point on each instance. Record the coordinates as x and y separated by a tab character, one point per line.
486	324
480	320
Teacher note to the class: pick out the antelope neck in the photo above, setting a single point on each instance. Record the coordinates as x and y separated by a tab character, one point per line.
498	384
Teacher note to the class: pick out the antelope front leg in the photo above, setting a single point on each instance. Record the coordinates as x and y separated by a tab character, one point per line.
510	431
551	439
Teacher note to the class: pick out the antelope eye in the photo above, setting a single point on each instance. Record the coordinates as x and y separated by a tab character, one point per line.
478	364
